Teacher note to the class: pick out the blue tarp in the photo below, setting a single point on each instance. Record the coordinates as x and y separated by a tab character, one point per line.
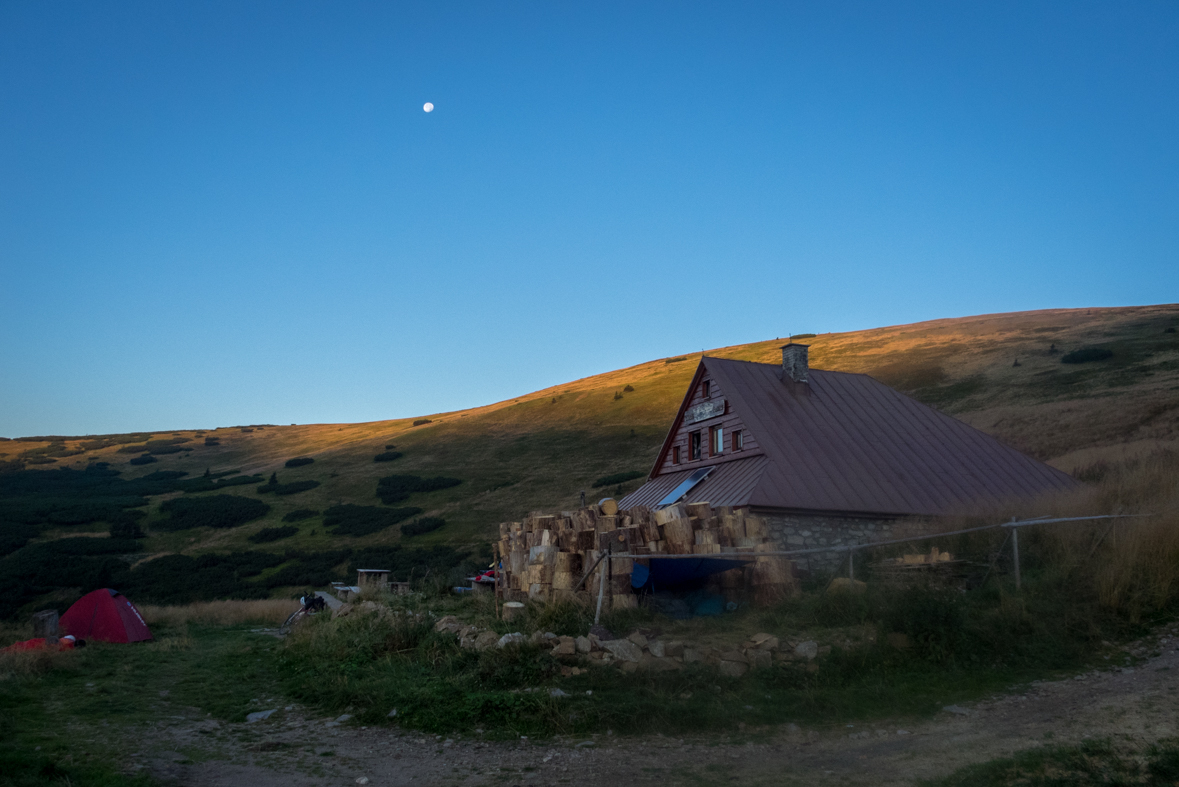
664	574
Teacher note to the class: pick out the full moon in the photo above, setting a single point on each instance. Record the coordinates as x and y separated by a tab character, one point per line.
428	107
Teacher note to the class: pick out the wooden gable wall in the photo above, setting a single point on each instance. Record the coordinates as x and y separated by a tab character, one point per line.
729	421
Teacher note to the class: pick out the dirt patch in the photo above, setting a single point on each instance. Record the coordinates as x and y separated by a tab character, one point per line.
291	747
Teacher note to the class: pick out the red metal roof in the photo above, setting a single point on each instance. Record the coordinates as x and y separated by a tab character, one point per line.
848	443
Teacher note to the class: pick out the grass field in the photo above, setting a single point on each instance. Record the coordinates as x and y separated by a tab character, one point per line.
541	450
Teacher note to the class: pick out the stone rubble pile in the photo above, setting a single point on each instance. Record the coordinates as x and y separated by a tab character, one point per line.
637	652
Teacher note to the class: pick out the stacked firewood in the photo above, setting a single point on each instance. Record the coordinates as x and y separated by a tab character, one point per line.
546	558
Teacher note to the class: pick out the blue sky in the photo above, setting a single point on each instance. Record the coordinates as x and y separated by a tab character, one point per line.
224	213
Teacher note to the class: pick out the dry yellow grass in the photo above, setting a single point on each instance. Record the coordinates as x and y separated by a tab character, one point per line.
25	663
221	613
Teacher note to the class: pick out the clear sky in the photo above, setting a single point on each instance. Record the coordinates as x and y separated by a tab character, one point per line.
225	213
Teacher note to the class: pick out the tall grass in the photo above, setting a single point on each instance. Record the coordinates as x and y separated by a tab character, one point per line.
221	613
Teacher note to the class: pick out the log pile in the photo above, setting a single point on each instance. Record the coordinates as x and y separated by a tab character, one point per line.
546	557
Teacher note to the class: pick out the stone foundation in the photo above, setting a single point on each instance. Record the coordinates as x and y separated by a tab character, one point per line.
803	531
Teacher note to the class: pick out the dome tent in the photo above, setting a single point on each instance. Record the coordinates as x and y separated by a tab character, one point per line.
105	615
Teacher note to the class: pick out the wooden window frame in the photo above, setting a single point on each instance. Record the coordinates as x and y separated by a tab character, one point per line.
708	389
695	447
738	440
675	454
716	440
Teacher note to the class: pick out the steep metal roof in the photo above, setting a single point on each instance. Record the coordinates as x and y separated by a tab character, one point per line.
847	443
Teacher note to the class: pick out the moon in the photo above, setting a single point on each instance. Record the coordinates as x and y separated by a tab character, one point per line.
427	107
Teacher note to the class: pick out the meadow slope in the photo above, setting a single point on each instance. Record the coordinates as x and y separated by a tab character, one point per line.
1001	373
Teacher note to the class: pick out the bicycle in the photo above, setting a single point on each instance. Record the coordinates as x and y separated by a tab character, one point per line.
311	604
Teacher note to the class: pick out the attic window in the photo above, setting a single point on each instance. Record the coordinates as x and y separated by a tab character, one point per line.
675	455
738	440
693	446
716	441
708	389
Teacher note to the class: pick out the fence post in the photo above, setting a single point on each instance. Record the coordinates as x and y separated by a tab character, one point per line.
602	580
851	565
1015	553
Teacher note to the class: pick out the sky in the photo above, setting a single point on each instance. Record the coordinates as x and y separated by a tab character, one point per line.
226	213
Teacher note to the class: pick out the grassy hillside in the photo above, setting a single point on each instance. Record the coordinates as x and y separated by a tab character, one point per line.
540	450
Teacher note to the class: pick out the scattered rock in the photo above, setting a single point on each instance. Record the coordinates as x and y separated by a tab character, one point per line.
624	650
344	717
807	650
515	638
259	715
557	693
733	669
486	640
759	659
956	709
565	646
583	644
362	780
638	639
391	714
656	649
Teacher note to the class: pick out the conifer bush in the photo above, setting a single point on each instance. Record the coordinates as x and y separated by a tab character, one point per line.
387	456
299	461
425	524
353	520
1087	355
395	488
268	534
219	511
300	514
146	459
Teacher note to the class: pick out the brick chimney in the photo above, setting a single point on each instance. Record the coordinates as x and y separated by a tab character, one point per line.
794	362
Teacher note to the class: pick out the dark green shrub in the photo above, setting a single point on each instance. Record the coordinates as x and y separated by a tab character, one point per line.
146	459
300	514
617	478
802	336
287	489
299	461
126	529
424	525
1087	354
388	456
390	447
212	441
395	488
354	520
421	421
628	388
268	534
220	511
674	360
617	395
209	483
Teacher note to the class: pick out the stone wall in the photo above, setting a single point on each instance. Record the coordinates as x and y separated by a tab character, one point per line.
803	531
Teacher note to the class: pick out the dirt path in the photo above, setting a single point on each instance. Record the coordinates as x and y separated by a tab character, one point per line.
1140	703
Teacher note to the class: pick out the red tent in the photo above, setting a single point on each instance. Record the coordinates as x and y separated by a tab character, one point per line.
106	616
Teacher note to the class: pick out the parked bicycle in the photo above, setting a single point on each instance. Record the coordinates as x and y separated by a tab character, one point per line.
311	604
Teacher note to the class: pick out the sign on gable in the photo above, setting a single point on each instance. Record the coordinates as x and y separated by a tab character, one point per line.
704	411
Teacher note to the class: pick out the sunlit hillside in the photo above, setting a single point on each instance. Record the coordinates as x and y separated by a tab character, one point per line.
1002	373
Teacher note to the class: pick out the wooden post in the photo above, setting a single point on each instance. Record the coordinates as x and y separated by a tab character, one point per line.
851	565
1015	554
601	590
45	623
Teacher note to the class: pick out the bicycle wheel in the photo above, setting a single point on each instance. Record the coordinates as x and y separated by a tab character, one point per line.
290	622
